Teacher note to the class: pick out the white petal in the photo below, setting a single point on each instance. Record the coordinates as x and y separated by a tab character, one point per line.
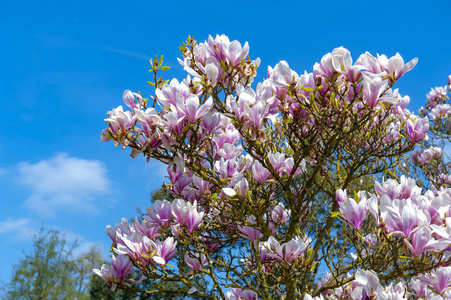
229	192
159	260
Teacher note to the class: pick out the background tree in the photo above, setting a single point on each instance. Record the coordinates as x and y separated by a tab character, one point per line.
47	272
51	271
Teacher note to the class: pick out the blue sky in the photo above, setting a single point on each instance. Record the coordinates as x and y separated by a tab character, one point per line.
66	63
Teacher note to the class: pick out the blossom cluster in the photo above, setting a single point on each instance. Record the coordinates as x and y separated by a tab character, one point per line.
422	220
424	156
244	165
365	284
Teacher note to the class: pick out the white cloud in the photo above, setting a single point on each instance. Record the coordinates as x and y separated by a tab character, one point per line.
83	244
22	229
64	183
63	41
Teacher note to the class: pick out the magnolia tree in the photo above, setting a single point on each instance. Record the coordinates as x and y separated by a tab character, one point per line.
293	188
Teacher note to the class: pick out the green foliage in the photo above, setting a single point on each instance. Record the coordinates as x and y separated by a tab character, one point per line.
50	271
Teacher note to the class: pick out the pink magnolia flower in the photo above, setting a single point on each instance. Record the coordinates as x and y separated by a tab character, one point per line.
170	93
395	65
389	187
190	107
369	281
438	279
421	156
146	228
437	95
186	214
117	273
240	294
279	214
440	111
355	212
341	195
261	174
417	129
160	213
249	232
283	75
120	121
340	61
373	90
419	287
400	216
129	99
422	241
235	53
120	228
166	250
135	245
148	118
284	165
196	261
287	251
392	291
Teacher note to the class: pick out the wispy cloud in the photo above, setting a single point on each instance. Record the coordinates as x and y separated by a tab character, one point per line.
125	52
63	41
64	183
21	229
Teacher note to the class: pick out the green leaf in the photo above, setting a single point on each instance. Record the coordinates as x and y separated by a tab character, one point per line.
335	214
356	197
308	89
161	60
313	267
150	83
164	68
406	257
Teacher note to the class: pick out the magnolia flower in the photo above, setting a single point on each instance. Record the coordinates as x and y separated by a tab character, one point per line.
369	281
169	93
196	261
417	129
120	121
165	250
120	228
261	174
422	240
400	216
395	65
186	214
160	213
438	279
419	287
355	212
282	75
235	53
287	251
249	232
116	273
279	214
373	89
129	99
240	294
